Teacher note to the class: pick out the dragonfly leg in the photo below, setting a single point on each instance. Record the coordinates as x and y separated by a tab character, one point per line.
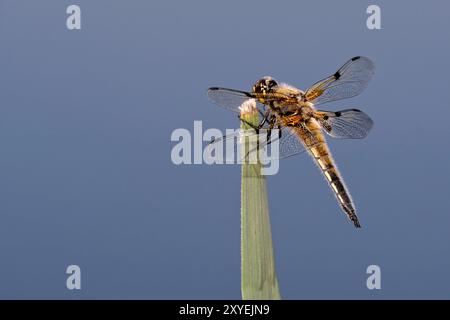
269	133
251	125
262	114
265	117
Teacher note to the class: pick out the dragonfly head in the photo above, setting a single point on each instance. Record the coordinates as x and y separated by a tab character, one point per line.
264	85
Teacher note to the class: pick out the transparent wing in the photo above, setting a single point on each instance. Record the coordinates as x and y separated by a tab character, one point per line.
349	81
232	99
290	144
345	124
229	147
247	144
229	98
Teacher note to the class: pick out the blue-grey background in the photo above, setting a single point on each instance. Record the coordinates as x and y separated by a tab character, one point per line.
86	176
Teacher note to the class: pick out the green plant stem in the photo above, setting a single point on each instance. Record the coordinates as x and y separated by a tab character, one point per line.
258	277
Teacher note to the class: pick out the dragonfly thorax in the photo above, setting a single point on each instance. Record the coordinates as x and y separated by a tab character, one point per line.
300	108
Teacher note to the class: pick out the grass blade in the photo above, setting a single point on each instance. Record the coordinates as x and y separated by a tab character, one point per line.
258	277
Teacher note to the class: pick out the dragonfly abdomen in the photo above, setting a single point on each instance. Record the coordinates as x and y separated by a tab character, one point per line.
332	175
323	158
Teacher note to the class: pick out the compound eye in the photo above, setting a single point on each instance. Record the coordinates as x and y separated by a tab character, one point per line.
260	86
271	83
264	85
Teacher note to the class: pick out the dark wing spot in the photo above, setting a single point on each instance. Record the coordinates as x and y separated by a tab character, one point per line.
356	58
338	113
325	117
337	75
245	93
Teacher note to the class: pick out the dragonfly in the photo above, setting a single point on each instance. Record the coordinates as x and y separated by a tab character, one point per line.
301	126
